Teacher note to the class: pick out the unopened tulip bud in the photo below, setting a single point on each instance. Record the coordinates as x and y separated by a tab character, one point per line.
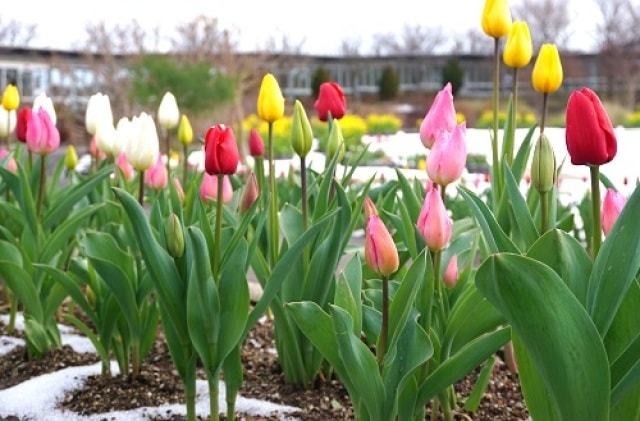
174	236
71	158
301	132
496	18
168	112
434	222
380	251
10	164
543	165
250	193
335	144
270	100
546	76
612	205
256	144
11	98
185	131
448	156
450	276
369	207
519	49
179	190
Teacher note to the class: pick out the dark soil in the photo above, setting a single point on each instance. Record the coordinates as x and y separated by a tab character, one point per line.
158	384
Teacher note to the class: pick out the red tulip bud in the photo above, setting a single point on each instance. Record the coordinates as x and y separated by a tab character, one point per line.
331	99
221	150
256	144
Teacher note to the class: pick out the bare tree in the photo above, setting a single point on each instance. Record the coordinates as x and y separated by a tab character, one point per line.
350	47
14	33
412	40
474	41
549	21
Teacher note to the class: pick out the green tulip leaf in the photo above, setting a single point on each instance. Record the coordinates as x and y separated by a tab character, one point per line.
21	284
522	221
522	156
555	330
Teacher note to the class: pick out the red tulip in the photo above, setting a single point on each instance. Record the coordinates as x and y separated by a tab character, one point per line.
256	144
589	134
331	99
24	115
221	150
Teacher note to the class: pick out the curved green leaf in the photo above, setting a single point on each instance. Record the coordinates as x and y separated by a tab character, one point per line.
519	210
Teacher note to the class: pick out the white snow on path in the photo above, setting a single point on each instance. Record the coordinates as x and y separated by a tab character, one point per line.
36	399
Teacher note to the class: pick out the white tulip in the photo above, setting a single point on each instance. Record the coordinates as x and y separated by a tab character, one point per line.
98	109
43	101
143	147
123	134
106	136
7	122
168	112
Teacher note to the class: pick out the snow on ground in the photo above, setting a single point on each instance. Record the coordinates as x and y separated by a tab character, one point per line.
35	399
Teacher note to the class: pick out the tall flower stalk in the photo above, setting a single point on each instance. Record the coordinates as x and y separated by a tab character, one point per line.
301	140
168	118
185	136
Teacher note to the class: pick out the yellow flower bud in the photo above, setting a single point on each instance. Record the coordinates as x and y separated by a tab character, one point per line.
71	158
185	132
301	132
543	165
175	236
519	49
335	144
546	76
10	97
270	100
496	18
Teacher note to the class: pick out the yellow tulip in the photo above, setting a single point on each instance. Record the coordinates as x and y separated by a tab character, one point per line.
519	49
185	131
496	18
270	99
547	70
10	97
71	158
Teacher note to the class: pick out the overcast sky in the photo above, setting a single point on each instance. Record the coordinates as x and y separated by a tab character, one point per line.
319	26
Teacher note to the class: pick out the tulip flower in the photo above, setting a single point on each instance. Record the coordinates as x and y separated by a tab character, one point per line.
122	137
221	150
434	223
106	136
11	97
179	189
185	131
143	147
441	117
168	112
450	275
496	18
256	144
369	207
24	115
331	100
380	251
44	101
335	143
270	102
589	133
125	167
7	122
156	177
98	109
448	156
546	76
10	164
612	205
519	48
95	152
70	158
42	136
250	193
543	165
209	188
174	234
301	132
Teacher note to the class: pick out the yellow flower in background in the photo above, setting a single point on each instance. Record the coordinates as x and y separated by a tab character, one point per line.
71	158
547	70
270	100
185	131
519	48
11	98
496	18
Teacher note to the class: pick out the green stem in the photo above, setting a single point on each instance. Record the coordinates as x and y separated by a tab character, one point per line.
141	188
214	386
12	311
437	261
595	206
384	331
190	400
185	154
495	105
43	180
218	233
545	106
273	202
544	213
303	188
167	142
135	359
514	116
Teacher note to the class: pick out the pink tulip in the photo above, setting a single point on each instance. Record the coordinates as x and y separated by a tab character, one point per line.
441	117
11	164
42	136
179	189
448	156
434	222
380	251
612	205
125	167
209	188
156	177
250	193
94	151
450	276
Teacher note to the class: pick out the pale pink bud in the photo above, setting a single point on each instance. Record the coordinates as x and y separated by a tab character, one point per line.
11	164
448	156
95	151
179	189
612	205
434	222
380	251
441	117
250	193
156	177
450	276
42	135
209	188
125	167
369	207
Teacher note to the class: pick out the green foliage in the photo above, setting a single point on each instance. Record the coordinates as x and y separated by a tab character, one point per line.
320	75
453	73
389	84
197	86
